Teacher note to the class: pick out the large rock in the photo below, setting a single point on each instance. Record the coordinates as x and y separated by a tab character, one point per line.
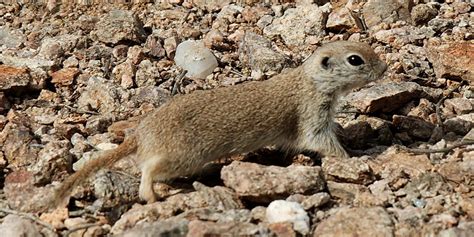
255	52
120	25
264	183
13	225
373	221
219	198
384	97
415	127
297	23
387	11
461	124
453	60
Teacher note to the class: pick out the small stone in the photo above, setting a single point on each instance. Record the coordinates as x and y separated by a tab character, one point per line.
459	105
135	54
119	25
258	183
392	161
316	200
64	77
422	13
370	221
285	211
347	170
148	74
100	94
256	53
339	19
172	226
453	60
195	58
297	23
170	45
382	11
11	38
154	47
214	38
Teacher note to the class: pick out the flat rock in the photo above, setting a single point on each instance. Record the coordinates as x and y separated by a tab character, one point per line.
13	77
353	194
453	60
120	25
297	23
459	105
172	226
217	197
458	172
393	161
382	11
199	228
64	77
347	170
384	97
255	52
371	221
35	62
260	183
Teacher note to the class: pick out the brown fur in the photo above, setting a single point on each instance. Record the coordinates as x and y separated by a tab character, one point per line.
293	110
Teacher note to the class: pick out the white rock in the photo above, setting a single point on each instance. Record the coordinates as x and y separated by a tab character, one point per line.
195	58
285	211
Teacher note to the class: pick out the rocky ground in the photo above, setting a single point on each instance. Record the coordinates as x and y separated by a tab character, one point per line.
74	78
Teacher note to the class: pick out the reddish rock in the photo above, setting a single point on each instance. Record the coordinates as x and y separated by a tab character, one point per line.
64	77
453	60
347	170
11	77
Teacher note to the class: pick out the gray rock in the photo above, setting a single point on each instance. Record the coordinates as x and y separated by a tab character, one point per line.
255	52
199	228
113	189
10	38
14	225
422	13
31	63
148	74
347	170
169	227
259	183
370	221
297	23
219	198
119	25
316	200
54	161
387	11
384	97
101	95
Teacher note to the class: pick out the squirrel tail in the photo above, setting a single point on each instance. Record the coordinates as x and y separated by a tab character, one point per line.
109	158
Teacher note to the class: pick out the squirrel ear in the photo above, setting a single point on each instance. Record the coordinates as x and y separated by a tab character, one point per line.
325	62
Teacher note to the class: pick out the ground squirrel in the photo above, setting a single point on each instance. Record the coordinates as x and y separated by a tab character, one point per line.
293	110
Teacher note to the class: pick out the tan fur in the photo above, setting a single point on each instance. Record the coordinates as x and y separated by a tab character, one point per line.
293	110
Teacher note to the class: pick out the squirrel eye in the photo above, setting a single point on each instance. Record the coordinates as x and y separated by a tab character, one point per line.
355	60
325	62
